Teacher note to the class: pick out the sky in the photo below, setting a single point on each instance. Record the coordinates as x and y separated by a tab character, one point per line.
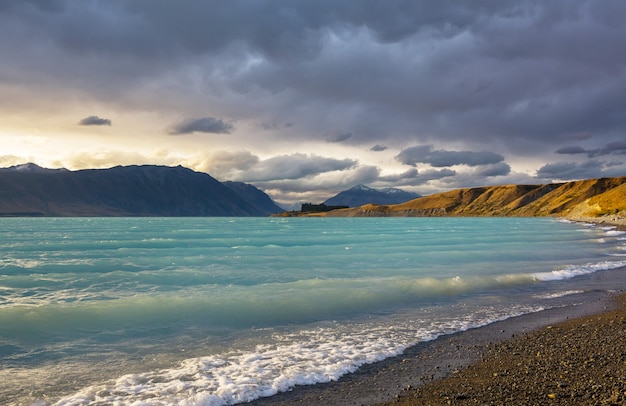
306	98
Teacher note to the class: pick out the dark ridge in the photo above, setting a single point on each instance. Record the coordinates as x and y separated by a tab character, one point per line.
147	190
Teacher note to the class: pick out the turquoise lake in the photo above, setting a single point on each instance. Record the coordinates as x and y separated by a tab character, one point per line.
216	311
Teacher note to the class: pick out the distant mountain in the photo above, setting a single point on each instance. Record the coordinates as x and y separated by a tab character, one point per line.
148	190
592	198
361	194
31	167
254	196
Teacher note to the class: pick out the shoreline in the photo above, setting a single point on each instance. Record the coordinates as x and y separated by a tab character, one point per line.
580	361
600	221
425	371
397	379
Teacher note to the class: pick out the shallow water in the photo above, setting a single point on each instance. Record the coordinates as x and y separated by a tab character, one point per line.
216	311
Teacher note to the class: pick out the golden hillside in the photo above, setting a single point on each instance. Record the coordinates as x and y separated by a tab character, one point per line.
578	199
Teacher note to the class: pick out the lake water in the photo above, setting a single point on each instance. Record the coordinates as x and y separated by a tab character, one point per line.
215	311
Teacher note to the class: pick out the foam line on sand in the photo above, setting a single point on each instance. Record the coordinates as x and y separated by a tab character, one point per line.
432	372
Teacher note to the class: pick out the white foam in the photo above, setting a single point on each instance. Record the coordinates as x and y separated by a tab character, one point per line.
556	295
301	358
242	377
572	271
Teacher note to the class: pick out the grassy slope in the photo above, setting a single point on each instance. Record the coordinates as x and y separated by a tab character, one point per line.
591	198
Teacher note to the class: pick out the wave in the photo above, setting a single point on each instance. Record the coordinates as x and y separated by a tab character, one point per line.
304	358
266	304
560	294
572	271
244	306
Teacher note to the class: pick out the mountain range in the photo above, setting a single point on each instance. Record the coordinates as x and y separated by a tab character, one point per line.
577	199
151	190
361	194
147	190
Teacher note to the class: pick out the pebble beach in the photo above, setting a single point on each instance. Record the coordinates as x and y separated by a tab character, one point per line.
577	362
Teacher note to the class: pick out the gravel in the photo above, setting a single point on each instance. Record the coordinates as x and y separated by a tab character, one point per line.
578	362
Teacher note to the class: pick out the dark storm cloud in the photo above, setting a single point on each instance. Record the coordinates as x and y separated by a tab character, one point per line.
94	120
569	170
494	69
337	137
521	72
378	148
575	170
613	148
613	163
275	126
618	147
413	177
499	169
442	158
571	150
499	78
202	125
577	137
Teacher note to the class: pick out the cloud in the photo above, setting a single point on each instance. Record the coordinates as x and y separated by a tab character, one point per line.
273	126
414	178
478	66
202	125
409	174
292	177
337	137
612	148
245	166
571	150
499	169
578	137
617	147
318	187
574	170
614	163
388	73
11	160
567	170
430	175
295	166
94	120
443	158
104	158
223	164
